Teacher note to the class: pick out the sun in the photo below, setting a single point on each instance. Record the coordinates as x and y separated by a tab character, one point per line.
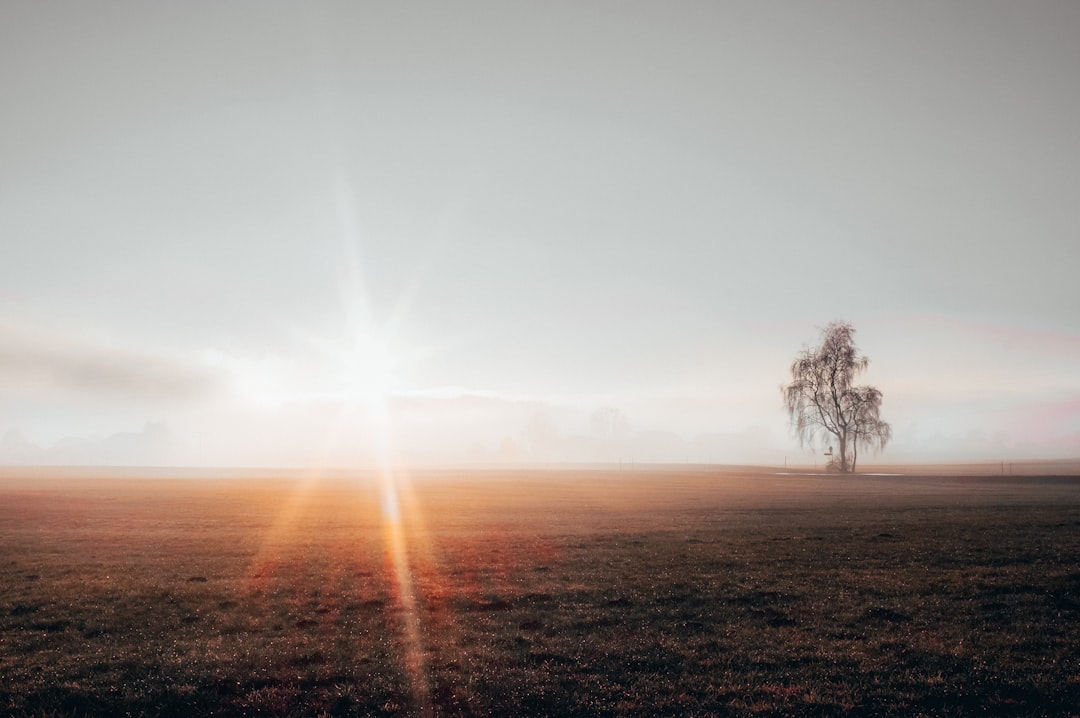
367	372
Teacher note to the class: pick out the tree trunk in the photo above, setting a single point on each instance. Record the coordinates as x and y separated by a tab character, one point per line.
843	453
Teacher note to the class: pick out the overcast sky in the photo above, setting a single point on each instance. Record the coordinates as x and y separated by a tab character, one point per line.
268	232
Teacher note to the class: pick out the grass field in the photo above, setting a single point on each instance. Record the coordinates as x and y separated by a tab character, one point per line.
562	593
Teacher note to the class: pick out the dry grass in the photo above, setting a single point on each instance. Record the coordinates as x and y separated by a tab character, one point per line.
572	593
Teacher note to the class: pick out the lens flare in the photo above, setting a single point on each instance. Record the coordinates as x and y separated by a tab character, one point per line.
395	539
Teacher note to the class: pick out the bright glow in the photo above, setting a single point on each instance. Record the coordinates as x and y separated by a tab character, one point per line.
367	372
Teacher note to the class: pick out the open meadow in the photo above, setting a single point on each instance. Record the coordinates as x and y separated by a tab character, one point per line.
679	591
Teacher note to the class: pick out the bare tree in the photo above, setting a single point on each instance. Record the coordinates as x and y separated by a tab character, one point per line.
823	402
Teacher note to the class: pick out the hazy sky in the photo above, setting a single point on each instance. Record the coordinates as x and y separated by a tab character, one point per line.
261	232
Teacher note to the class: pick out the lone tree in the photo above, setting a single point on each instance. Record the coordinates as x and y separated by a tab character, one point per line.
822	401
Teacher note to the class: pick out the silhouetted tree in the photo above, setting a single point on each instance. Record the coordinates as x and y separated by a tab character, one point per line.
822	401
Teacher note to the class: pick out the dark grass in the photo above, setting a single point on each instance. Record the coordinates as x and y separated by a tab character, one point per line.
562	594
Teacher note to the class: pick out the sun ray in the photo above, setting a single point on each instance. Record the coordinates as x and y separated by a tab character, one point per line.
357	370
369	377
